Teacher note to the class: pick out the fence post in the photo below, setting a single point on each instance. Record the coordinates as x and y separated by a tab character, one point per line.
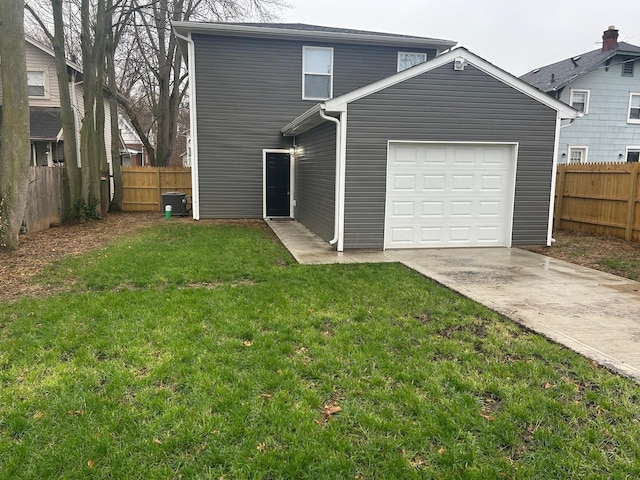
631	205
557	219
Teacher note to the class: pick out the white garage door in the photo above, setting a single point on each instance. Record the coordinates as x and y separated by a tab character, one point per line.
449	195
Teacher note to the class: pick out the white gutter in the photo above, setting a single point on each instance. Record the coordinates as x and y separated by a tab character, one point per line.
193	120
554	174
336	225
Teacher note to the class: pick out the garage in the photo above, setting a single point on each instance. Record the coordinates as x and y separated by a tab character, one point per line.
449	195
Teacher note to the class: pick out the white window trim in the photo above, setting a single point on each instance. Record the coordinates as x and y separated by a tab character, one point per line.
304	72
578	147
409	53
588	97
629	119
629	148
45	78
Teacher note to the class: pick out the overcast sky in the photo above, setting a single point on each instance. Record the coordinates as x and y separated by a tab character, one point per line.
515	35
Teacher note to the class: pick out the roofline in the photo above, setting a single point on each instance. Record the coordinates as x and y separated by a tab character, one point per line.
338	104
271	32
48	51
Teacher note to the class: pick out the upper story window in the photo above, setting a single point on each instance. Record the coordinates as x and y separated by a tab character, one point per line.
577	154
410	59
317	73
627	67
634	108
580	100
35	82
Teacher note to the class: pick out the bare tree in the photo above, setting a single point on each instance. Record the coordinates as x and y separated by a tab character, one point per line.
155	80
14	130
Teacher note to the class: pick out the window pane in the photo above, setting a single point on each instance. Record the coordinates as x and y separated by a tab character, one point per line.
407	60
35	82
579	100
633	156
317	86
317	60
635	101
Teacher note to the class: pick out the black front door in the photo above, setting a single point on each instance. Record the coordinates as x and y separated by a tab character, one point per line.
278	185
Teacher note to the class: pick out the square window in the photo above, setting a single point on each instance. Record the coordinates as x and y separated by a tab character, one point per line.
633	155
317	73
580	100
35	82
634	108
410	59
577	155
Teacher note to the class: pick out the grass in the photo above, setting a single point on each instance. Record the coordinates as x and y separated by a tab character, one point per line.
195	351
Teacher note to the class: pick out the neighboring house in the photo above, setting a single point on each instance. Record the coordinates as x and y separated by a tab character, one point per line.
371	140
135	154
47	138
604	85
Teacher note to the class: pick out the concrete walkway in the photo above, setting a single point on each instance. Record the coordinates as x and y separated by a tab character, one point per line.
591	312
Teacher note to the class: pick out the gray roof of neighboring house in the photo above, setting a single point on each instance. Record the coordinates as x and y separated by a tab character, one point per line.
567	70
45	123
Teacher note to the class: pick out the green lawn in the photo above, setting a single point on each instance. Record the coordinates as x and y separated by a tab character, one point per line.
199	351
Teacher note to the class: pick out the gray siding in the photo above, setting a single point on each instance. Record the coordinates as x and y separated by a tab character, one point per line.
446	105
246	90
315	167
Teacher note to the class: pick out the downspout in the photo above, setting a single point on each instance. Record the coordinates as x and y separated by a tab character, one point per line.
554	175
336	226
191	67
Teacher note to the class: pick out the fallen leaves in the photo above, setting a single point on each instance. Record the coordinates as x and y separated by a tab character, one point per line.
247	343
327	412
91	463
38	415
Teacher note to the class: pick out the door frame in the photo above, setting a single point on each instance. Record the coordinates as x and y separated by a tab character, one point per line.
291	179
515	146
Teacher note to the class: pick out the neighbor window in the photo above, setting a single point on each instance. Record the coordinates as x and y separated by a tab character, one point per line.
634	108
35	82
627	67
317	73
633	154
577	154
410	59
580	100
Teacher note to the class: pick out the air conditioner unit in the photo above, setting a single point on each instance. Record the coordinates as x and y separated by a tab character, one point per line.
178	202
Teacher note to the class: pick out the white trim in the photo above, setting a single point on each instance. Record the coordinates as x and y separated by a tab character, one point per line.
554	178
629	119
305	73
193	120
264	179
343	176
410	53
365	38
338	103
578	147
586	100
512	172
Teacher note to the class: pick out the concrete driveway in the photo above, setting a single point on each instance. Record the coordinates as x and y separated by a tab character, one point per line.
591	312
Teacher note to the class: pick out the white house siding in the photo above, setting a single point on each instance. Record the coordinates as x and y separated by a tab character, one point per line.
604	129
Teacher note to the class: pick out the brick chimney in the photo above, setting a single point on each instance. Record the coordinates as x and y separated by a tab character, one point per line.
610	39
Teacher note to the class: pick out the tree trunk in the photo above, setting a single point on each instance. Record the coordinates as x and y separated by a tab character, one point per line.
66	111
14	131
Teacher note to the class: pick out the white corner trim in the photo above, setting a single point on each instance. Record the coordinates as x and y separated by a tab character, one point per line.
193	120
554	178
336	104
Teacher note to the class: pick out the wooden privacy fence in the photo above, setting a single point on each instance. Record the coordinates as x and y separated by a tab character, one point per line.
44	198
143	186
599	198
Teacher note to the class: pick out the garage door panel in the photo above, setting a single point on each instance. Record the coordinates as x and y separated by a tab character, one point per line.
461	196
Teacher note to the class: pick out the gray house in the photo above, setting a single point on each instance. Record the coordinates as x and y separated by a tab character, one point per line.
370	140
604	85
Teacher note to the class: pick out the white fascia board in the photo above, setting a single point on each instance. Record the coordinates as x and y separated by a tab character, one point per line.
290	129
287	33
339	103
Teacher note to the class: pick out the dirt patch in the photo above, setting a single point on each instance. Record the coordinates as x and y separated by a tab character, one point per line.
607	254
